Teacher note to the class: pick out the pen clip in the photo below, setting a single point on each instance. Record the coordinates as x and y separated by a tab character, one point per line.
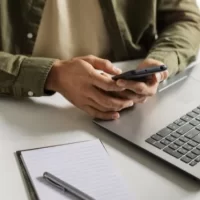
54	183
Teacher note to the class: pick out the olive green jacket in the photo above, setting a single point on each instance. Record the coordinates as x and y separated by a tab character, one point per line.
161	29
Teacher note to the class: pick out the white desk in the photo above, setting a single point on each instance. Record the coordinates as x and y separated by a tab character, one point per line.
45	121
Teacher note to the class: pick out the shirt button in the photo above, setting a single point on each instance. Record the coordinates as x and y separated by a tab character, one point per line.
30	93
29	35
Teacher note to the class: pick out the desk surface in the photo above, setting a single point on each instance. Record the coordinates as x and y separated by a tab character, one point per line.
37	122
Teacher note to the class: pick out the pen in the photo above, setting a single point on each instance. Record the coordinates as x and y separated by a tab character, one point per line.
65	187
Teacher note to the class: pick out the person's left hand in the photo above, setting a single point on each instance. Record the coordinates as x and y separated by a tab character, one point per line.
140	91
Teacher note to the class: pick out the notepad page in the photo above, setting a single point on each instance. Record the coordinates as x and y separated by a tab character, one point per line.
85	165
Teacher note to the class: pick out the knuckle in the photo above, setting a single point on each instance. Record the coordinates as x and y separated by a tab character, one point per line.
118	106
91	77
106	109
107	63
152	92
91	56
139	89
111	105
77	61
121	105
74	59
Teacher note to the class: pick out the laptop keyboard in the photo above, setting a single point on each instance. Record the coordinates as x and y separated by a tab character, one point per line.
181	139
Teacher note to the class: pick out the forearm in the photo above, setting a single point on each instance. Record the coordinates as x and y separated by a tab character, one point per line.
179	35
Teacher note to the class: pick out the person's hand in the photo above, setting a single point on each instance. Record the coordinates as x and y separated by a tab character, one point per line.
142	90
126	94
79	81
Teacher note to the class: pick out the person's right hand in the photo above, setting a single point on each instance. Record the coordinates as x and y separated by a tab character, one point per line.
79	81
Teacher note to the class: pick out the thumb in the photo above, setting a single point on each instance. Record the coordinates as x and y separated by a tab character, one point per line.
158	77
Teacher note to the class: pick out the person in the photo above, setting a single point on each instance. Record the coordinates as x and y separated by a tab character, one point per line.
50	46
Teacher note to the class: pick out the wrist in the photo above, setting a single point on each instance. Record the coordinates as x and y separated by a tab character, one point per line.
52	82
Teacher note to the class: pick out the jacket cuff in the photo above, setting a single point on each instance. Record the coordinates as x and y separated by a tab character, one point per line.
32	77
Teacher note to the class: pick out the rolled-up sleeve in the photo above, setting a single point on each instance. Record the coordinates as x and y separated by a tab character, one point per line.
178	25
22	76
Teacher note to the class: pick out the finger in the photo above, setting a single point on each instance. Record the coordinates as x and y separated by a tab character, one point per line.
128	94
115	104
104	82
97	106
102	64
165	75
101	115
157	78
139	87
143	100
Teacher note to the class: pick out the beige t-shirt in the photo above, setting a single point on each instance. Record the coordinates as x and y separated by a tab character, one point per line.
71	28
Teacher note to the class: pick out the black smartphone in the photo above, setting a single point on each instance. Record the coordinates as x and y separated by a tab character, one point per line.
140	74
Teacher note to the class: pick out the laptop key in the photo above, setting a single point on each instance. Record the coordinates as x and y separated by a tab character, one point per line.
192	143
170	138
150	141
179	122
164	132
186	118
173	153
192	114
196	151
173	146
188	147
191	155
197	159
198	127
193	163
182	151
192	133
184	139
186	159
196	110
198	118
184	129
165	142
194	122
176	135
173	126
159	145
156	137
196	138
198	147
179	142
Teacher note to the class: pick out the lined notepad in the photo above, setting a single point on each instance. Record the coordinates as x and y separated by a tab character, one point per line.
85	165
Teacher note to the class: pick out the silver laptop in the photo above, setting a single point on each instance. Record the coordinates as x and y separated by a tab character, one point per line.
168	125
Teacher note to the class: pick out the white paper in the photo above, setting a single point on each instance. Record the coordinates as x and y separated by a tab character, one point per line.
85	165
